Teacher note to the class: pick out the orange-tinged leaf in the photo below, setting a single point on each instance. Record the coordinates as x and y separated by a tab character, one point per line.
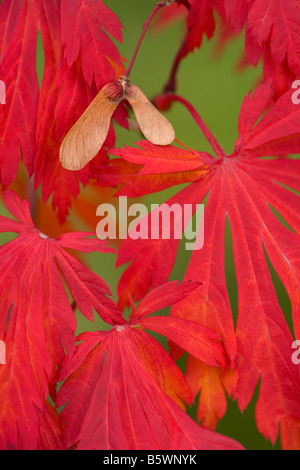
209	381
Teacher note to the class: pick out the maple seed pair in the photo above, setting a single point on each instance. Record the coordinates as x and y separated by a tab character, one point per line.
86	137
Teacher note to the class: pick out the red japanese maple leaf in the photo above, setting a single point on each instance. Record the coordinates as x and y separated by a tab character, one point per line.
79	58
121	384
276	23
273	32
200	21
18	116
37	322
243	189
84	28
174	12
269	23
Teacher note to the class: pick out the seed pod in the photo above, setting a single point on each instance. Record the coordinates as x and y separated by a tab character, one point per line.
155	127
86	137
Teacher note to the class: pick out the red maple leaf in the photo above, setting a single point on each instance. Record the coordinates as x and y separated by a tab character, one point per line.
200	21
84	28
243	189
37	320
34	122
18	116
275	22
120	384
273	32
270	24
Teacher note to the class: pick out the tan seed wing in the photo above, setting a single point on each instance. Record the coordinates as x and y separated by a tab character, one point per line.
86	137
155	127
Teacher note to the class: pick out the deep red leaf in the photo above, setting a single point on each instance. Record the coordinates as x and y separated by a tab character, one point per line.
198	340
85	26
243	189
37	323
32	122
18	116
200	21
164	296
124	405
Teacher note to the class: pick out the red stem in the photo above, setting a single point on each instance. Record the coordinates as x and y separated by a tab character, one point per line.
201	124
170	86
145	27
31	196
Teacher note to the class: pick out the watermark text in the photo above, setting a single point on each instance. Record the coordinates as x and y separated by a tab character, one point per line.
296	354
164	221
2	353
296	94
2	92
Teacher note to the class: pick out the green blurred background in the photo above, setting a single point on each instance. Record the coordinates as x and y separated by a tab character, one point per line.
216	89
